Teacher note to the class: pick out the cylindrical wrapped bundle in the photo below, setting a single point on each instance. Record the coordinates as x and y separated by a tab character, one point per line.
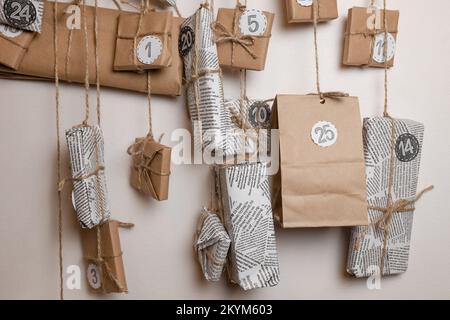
211	245
210	118
22	14
366	252
90	196
246	207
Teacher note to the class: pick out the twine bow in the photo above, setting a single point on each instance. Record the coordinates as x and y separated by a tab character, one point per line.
63	182
225	35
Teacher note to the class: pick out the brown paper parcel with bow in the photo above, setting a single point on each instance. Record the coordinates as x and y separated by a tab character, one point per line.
39	62
150	172
302	12
319	186
359	44
109	276
237	50
14	44
154	24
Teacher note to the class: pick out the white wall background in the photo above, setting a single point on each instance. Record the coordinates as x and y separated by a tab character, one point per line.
158	253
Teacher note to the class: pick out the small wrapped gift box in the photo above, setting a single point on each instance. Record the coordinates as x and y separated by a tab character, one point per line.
143	41
90	195
22	14
210	119
244	196
101	247
211	245
364	37
302	10
150	172
366	252
14	44
242	37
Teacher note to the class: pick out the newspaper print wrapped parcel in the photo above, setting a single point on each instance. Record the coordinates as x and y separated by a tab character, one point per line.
210	119
245	204
367	242
89	196
22	14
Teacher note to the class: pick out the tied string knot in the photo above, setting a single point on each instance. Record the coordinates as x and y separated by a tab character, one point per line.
330	95
63	182
225	35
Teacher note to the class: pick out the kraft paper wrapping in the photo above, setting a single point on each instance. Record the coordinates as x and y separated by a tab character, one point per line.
245	204
211	120
39	59
301	11
22	14
366	245
212	244
90	195
153	24
362	43
321	183
14	44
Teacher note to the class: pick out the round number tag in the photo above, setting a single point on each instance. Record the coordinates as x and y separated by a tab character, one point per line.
149	49
407	147
9	31
259	115
19	13
186	40
305	3
253	23
94	276
324	134
378	47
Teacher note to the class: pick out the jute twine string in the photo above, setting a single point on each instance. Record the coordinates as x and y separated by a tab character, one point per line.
401	205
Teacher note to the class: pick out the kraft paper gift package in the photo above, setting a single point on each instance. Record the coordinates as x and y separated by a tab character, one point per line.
301	11
22	14
14	43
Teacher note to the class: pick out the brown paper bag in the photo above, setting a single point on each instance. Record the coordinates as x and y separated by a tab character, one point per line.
364	37
251	30
107	274
151	168
152	48
39	59
14	44
321	181
302	10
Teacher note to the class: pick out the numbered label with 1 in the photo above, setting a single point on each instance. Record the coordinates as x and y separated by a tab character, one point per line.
378	47
324	134
149	49
19	13
253	23
407	147
186	40
94	276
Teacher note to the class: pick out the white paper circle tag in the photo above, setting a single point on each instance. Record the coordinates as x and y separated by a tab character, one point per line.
253	23
94	276
305	3
9	31
149	49
324	134
378	47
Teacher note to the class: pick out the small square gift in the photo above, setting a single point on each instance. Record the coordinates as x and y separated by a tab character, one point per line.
150	172
89	195
105	270
242	37
143	41
22	14
210	119
14	44
245	204
211	245
392	170
321	181
365	37
302	10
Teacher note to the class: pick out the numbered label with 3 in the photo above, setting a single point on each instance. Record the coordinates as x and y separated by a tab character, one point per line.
253	23
324	134
19	13
149	49
94	276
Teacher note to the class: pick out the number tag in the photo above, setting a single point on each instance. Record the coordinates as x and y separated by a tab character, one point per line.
149	49
94	276
378	47
10	32
186	40
324	134
305	3
407	147
259	115
253	23
20	13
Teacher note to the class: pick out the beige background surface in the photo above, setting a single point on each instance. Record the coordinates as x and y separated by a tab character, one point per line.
158	252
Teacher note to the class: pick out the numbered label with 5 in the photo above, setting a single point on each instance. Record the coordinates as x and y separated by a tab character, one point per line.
253	23
324	134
